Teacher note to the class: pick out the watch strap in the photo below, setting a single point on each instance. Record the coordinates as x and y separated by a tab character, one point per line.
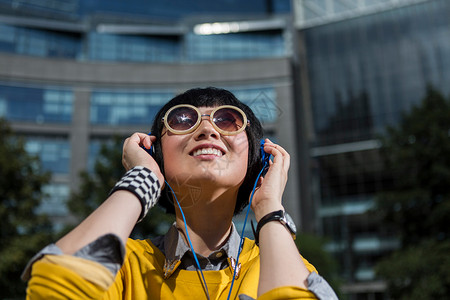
278	215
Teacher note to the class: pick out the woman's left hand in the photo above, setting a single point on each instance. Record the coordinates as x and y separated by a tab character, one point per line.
268	194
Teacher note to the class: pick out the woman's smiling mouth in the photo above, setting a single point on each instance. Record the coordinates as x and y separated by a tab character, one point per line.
207	151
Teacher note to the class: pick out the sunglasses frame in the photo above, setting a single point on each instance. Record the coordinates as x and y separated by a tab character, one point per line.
246	122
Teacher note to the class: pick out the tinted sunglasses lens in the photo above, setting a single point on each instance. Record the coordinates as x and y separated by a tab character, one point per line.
182	118
228	119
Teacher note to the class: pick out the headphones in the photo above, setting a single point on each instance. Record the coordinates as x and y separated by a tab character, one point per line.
265	158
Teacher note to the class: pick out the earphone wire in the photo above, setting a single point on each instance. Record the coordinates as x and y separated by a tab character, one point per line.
241	243
190	243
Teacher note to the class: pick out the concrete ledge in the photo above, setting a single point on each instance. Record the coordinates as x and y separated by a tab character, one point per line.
60	71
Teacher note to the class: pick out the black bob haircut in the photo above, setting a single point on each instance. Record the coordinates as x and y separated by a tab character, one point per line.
210	97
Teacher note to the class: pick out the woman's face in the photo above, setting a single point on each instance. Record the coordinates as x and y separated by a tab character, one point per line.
205	157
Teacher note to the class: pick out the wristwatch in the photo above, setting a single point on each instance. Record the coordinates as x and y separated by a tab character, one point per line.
280	216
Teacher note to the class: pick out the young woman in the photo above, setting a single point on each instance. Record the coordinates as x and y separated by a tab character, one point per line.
205	161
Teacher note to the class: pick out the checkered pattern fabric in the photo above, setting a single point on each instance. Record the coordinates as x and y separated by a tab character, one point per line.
144	184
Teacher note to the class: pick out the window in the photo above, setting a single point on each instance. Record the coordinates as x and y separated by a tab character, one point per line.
55	202
234	46
37	42
39	105
135	48
127	107
261	99
54	153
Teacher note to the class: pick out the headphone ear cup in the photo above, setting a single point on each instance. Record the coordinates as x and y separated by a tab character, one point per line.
265	158
261	150
149	151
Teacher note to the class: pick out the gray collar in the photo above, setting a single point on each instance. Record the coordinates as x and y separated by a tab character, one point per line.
177	252
175	247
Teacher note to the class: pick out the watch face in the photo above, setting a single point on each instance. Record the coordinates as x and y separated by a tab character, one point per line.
290	223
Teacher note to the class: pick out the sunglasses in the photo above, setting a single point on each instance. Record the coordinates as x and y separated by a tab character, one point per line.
185	118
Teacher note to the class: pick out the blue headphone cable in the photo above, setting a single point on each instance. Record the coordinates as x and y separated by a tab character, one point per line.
241	243
190	243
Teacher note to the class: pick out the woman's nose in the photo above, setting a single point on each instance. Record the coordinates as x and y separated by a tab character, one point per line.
206	129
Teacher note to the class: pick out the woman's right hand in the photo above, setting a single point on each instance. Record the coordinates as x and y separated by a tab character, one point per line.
268	195
134	155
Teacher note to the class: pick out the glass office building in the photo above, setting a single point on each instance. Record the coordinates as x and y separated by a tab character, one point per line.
73	73
363	73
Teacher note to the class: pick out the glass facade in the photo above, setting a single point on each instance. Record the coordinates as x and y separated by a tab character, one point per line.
114	47
95	145
364	73
94	46
234	46
159	9
62	9
116	107
53	152
350	177
131	107
261	99
176	9
38	42
33	104
55	202
81	39
349	182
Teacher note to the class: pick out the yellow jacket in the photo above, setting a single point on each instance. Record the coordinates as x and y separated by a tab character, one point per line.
142	277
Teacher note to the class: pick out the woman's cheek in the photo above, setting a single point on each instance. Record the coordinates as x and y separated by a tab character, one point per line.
241	144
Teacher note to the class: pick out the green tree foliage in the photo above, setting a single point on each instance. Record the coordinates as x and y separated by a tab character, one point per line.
313	249
23	232
95	187
417	205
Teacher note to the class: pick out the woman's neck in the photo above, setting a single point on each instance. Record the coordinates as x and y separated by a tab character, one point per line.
208	223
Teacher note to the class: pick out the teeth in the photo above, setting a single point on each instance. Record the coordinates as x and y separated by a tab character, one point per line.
213	151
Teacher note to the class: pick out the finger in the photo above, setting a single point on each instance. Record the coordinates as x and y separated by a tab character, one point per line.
273	149
280	155
148	141
129	147
276	146
285	155
140	137
260	182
